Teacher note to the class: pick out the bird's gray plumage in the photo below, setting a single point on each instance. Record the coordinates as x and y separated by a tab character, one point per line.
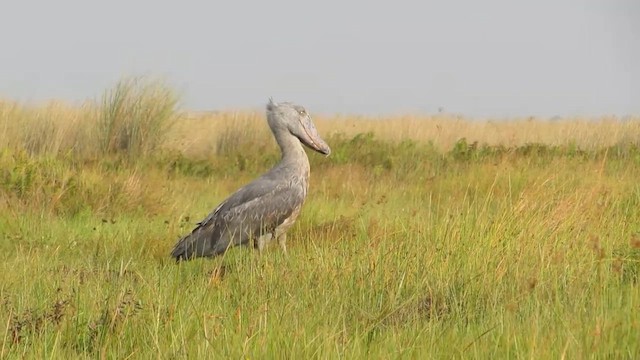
264	209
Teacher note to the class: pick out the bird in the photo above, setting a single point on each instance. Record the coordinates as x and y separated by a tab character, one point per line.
263	210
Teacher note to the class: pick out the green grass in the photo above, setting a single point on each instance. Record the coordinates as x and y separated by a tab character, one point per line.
510	256
403	250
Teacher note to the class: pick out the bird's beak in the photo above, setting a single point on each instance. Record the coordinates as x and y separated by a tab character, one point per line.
312	139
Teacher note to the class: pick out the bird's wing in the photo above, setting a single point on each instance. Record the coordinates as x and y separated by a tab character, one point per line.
262	213
254	190
254	209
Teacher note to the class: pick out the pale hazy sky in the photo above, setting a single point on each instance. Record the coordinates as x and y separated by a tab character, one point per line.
478	58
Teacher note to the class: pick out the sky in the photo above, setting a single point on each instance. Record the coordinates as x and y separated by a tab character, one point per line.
491	58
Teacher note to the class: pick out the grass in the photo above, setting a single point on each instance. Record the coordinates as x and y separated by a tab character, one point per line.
410	245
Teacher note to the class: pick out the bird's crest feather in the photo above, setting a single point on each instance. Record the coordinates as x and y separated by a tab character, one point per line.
271	104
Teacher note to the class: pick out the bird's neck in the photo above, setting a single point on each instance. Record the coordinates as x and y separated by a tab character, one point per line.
293	153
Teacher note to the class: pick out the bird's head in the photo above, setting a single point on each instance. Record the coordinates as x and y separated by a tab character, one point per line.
296	120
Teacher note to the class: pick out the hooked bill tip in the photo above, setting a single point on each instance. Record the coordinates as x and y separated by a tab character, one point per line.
321	147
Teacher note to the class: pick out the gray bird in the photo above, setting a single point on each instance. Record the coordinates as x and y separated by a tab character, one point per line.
263	210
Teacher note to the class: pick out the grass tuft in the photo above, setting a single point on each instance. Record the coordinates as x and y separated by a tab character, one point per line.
136	116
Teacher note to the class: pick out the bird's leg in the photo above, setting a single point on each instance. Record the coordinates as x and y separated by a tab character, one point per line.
262	242
282	241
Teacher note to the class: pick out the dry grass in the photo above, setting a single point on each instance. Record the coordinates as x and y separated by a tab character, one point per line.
133	119
51	128
442	131
59	128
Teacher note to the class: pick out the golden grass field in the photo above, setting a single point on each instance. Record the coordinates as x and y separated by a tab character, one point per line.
198	132
423	236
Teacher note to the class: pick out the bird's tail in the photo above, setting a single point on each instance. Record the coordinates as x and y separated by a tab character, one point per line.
196	244
181	249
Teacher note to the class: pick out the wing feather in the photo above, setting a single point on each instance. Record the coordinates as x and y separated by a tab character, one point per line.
253	210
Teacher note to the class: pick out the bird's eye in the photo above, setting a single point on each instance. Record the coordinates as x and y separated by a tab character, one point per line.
302	112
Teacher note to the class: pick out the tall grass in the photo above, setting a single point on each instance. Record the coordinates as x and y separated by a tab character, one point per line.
136	116
141	116
133	119
422	237
54	128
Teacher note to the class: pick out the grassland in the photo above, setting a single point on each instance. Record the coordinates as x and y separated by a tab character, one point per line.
422	236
